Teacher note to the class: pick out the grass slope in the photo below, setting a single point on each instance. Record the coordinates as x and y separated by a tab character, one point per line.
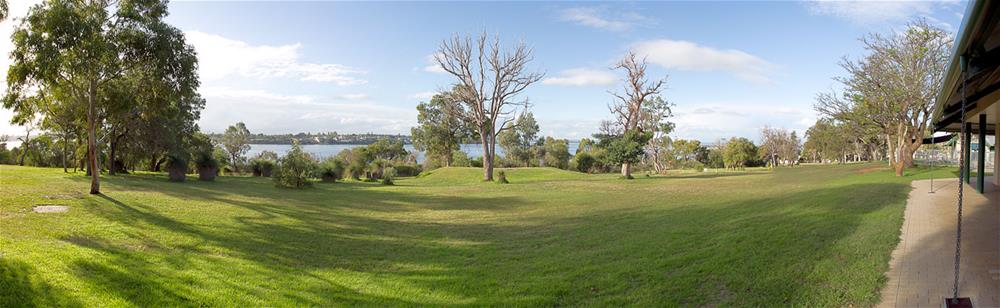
805	236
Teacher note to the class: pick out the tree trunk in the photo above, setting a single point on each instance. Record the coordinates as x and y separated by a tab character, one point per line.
95	172
24	147
626	170
65	142
487	162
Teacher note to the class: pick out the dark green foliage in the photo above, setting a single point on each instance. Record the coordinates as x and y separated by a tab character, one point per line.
294	170
407	170
439	131
518	141
261	167
627	148
556	153
584	162
476	162
331	170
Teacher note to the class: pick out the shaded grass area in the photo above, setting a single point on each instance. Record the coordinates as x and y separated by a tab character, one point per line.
805	236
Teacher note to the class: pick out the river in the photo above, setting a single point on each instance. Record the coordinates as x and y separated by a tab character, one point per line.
326	150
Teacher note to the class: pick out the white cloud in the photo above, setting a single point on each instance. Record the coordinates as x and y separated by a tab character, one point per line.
684	55
871	12
424	95
582	77
269	112
710	122
433	66
601	18
220	57
354	96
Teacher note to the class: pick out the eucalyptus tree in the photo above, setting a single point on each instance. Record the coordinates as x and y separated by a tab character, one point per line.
892	89
439	132
517	141
84	47
236	141
635	109
490	78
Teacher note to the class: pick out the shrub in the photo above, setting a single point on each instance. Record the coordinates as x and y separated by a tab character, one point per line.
176	167
584	162
476	162
502	177
261	167
407	170
388	174
460	159
331	170
294	169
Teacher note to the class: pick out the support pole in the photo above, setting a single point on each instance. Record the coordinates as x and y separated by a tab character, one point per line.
967	152
981	157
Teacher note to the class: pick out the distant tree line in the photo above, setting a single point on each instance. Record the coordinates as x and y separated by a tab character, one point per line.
316	138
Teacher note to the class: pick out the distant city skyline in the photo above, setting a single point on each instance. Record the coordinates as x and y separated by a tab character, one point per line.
350	67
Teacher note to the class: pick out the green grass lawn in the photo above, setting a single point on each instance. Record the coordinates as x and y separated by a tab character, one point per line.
804	236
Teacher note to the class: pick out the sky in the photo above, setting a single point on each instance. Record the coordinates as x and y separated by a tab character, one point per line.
356	67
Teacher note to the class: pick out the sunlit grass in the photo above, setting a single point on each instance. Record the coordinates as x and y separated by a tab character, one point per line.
805	236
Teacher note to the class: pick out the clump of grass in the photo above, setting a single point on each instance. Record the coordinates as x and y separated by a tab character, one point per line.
502	177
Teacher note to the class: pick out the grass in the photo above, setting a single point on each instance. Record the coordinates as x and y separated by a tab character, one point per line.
804	236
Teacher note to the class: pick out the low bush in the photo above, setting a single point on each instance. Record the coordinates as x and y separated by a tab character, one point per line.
502	177
407	170
388	175
261	167
294	170
331	170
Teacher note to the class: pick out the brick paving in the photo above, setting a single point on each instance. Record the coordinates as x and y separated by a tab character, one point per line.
922	267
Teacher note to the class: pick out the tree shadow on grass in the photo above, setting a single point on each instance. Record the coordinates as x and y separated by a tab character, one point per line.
319	247
21	287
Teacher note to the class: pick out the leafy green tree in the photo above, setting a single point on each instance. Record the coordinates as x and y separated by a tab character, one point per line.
739	153
439	132
385	149
518	140
236	141
556	153
891	90
295	168
626	149
83	47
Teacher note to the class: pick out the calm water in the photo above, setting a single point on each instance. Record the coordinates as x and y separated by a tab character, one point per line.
327	150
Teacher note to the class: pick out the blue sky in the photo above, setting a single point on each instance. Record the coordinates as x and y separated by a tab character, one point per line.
732	67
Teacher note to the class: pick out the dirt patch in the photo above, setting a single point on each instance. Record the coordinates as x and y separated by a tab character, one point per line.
50	208
871	169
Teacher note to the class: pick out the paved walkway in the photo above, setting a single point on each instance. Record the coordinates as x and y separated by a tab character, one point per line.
921	272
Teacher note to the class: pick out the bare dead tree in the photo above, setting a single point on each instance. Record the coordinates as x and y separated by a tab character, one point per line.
627	106
489	80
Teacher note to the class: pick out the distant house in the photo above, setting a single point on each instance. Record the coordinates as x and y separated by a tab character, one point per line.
974	77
